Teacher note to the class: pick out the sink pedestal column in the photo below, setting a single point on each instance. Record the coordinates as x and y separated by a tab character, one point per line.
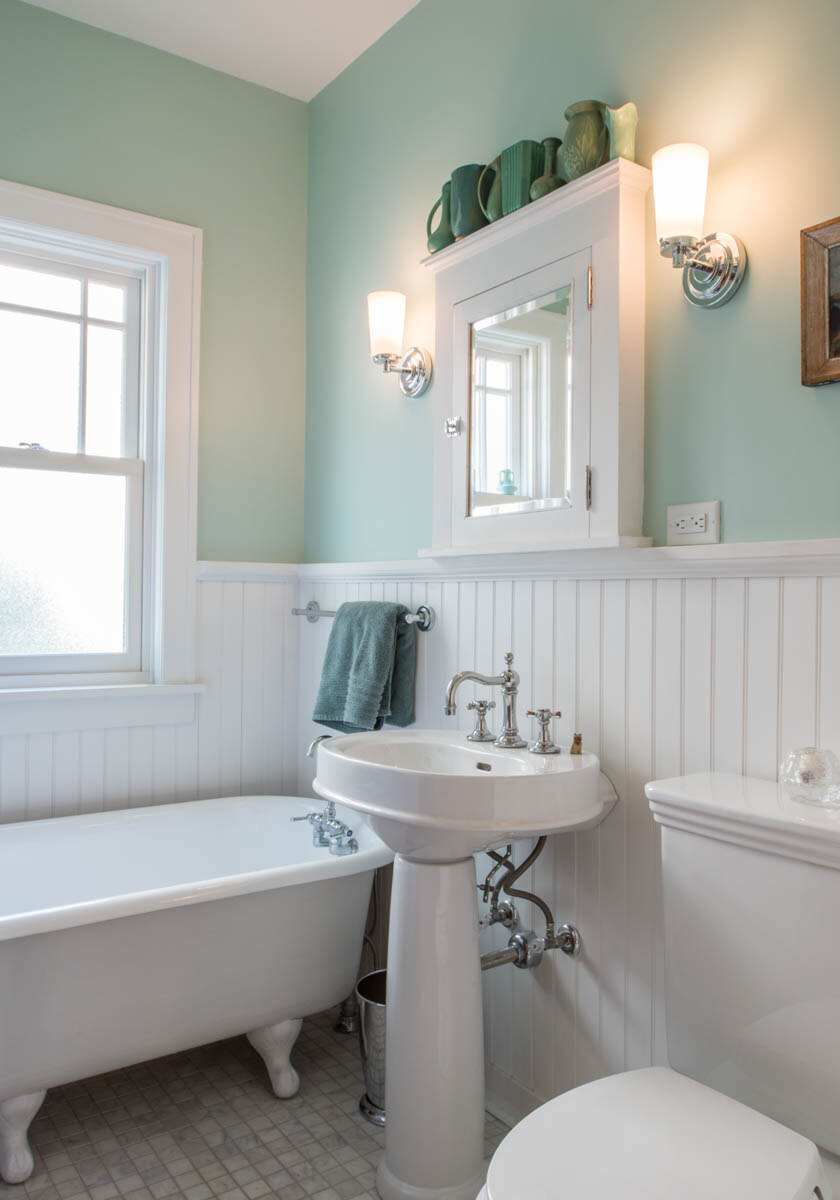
434	1084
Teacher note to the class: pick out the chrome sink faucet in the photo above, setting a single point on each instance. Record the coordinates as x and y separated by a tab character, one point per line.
508	681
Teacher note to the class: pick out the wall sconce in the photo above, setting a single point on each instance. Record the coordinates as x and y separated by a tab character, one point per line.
714	264
386	318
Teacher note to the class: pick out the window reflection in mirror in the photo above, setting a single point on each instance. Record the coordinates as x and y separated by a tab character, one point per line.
520	407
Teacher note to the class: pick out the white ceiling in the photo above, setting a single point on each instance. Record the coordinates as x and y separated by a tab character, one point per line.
292	46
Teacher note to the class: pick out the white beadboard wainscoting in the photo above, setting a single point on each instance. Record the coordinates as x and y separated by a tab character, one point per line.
238	736
662	675
666	661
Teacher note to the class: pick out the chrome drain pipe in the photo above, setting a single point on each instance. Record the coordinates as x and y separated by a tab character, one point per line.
525	950
499	958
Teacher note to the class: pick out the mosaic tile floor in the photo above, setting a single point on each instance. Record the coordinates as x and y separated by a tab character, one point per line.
204	1124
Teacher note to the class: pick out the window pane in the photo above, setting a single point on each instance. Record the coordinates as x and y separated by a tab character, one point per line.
106	302
498	374
105	391
62	556
39	381
39	289
497	448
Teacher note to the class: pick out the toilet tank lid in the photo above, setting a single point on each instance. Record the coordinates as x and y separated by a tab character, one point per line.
656	1134
757	813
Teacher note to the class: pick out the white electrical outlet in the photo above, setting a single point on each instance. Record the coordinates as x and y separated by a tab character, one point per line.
694	524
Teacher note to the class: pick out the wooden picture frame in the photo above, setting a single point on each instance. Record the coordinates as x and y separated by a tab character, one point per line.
820	255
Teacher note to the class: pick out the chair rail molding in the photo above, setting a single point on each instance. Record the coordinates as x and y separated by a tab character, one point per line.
246	572
817	556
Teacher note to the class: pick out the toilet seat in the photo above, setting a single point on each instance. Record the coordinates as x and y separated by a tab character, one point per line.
652	1135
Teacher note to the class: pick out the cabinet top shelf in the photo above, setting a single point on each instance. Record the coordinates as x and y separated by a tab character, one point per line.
614	175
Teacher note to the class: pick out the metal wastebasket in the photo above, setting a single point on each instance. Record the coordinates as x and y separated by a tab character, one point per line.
370	993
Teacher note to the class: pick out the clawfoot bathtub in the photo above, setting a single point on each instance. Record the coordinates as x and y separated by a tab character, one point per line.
132	934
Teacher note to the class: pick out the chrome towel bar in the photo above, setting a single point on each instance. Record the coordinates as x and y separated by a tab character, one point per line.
424	618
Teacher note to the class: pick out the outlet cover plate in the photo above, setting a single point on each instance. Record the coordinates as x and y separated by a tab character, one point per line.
695	524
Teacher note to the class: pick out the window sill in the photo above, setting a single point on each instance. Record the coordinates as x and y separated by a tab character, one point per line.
97	706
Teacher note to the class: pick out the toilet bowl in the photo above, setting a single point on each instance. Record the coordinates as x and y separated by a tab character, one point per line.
751	892
652	1135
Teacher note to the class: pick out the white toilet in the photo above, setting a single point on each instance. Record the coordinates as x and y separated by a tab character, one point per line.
751	887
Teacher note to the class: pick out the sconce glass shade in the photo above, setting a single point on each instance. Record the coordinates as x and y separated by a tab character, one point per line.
680	175
386	319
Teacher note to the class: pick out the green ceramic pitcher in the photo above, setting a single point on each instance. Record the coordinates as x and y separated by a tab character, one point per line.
514	171
443	235
466	213
586	143
621	127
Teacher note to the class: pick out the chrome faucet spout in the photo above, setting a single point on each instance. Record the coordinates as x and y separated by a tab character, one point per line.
450	707
313	745
508	681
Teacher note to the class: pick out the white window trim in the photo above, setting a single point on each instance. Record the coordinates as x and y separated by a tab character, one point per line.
169	255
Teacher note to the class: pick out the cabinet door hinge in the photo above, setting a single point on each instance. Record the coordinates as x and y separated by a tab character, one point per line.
589	287
588	487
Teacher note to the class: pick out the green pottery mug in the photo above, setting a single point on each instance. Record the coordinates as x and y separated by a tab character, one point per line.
490	190
467	214
514	171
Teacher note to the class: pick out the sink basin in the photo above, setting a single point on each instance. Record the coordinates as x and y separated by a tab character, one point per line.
435	797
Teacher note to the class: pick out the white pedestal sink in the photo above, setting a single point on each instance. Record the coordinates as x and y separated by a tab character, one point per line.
436	800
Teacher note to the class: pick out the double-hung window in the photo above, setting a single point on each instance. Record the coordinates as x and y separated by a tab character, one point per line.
98	392
71	470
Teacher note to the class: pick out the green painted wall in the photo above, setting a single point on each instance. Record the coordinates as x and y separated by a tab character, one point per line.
755	81
98	116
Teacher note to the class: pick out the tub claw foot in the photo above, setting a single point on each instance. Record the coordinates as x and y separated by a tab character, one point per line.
15	1117
274	1044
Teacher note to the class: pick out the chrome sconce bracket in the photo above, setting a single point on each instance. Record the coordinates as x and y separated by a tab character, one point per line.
414	369
713	268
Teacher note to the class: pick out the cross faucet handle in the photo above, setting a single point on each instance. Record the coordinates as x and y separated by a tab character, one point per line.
544	743
481	733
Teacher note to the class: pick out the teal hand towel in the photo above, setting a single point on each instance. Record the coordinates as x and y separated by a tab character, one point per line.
368	673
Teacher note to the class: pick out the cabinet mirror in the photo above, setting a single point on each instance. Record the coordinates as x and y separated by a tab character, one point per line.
520	407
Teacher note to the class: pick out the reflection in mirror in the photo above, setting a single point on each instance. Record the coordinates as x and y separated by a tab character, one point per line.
520	408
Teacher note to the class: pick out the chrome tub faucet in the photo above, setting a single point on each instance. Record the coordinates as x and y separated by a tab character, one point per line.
508	681
327	829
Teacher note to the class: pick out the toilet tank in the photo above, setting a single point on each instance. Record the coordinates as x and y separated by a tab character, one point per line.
751	891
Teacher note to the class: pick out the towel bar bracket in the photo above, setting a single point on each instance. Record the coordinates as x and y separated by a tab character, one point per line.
424	618
312	612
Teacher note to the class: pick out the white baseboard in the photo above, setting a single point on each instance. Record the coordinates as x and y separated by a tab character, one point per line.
506	1099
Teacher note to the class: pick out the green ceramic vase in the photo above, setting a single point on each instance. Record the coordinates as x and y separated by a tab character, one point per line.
443	235
521	165
586	143
549	180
